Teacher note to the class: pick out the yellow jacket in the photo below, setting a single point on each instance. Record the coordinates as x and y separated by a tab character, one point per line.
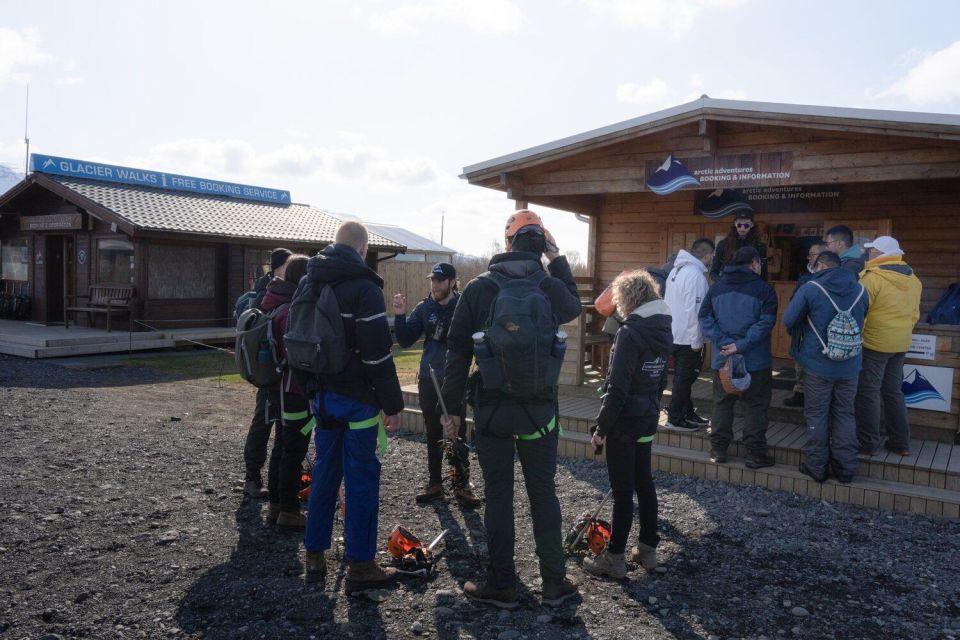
894	292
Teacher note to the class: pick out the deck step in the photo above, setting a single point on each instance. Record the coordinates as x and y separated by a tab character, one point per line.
890	494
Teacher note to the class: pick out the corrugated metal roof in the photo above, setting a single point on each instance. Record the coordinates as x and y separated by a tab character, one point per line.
409	239
178	212
715	107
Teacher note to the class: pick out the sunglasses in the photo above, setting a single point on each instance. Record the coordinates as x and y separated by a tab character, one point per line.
744	225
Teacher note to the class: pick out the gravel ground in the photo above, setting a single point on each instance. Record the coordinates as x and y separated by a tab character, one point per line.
123	518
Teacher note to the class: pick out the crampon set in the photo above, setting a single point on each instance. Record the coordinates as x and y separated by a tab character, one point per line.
589	534
410	556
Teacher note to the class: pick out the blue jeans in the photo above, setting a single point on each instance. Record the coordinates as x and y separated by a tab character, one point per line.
831	425
881	378
350	455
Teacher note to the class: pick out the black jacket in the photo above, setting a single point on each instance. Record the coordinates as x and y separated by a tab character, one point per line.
719	257
260	288
371	376
639	356
474	307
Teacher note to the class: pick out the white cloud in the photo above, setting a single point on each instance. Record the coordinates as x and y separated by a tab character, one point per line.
652	92
19	49
70	81
238	159
496	17
676	15
935	78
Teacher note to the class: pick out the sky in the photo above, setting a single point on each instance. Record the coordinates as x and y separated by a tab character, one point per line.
373	108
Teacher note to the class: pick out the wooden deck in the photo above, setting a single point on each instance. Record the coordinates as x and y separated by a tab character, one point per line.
34	340
926	482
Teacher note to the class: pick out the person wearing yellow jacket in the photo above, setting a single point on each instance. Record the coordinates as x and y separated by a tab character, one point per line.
894	292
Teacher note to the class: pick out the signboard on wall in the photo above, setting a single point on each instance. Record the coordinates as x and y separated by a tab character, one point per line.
929	388
55	222
155	179
922	347
794	199
746	170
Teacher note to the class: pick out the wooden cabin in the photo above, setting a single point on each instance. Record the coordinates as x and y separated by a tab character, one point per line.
72	231
803	169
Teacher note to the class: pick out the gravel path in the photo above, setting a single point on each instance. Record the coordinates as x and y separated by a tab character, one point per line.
122	517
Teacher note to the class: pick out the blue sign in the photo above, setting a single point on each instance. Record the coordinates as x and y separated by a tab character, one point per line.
143	178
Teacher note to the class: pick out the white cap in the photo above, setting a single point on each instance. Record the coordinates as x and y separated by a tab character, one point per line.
886	245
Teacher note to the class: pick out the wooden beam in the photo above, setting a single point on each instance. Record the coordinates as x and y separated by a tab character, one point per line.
708	131
513	184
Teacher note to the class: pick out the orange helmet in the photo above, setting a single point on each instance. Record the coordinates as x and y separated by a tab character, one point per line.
401	542
598	536
519	219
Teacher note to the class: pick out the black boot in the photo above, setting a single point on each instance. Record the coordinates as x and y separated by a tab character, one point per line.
796	400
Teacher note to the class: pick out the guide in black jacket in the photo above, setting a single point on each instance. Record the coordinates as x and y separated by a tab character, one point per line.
500	418
627	422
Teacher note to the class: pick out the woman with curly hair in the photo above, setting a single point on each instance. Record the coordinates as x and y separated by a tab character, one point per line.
743	233
627	422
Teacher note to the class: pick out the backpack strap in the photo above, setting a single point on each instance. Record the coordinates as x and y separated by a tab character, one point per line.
817	285
860	295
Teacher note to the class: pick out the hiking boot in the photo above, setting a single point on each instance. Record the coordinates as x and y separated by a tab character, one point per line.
611	565
367	574
557	590
681	426
273	512
759	460
254	489
796	400
869	452
466	499
433	491
645	556
697	420
315	567
897	451
718	456
293	520
807	471
485	591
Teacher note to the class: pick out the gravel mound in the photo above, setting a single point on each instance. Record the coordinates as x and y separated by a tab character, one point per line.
123	517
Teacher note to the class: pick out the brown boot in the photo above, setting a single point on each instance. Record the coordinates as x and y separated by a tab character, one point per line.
466	499
367	574
485	591
433	491
316	567
293	520
557	590
254	489
645	556
273	512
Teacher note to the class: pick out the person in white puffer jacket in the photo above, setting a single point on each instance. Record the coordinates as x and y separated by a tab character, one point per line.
686	288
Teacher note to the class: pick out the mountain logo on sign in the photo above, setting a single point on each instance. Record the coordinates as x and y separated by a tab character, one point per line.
723	202
48	163
918	389
670	176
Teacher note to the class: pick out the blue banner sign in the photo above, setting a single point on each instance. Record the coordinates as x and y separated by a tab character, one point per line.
144	178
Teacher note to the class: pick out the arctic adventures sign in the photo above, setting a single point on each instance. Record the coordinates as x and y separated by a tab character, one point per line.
155	179
747	170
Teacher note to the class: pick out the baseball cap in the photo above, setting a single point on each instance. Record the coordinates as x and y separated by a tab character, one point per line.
442	271
886	245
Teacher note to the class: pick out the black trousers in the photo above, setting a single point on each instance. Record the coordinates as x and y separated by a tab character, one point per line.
289	450
686	368
630	472
756	402
255	448
431	420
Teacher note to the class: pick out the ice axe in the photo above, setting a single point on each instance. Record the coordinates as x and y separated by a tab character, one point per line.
586	525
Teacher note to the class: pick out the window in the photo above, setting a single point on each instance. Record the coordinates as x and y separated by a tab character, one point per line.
181	272
115	261
13	260
257	264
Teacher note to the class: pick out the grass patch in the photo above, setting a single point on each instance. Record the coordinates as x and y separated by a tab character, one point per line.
201	365
408	362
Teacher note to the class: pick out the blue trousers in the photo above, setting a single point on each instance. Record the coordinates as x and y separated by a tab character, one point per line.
349	455
831	425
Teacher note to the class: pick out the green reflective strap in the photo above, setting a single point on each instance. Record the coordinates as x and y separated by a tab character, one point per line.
645	439
310	426
536	434
300	415
375	421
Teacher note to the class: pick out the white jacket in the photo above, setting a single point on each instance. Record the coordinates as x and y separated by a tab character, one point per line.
686	288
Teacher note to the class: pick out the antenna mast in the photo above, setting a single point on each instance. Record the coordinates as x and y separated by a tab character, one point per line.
26	137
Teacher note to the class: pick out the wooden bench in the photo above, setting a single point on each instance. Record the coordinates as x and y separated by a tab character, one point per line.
108	298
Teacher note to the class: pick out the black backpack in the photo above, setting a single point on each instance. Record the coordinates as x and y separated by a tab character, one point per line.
518	355
947	308
315	340
257	354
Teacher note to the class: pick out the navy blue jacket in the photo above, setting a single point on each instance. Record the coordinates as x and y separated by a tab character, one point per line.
433	319
809	301
369	382
740	307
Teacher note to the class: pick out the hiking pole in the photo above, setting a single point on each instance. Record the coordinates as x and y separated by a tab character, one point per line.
436	387
593	519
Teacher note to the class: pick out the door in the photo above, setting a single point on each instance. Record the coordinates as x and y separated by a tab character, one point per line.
59	265
780	339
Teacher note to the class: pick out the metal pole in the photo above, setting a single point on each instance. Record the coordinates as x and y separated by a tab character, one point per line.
26	138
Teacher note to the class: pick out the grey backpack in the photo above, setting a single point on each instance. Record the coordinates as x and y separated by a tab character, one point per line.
315	340
844	338
257	354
